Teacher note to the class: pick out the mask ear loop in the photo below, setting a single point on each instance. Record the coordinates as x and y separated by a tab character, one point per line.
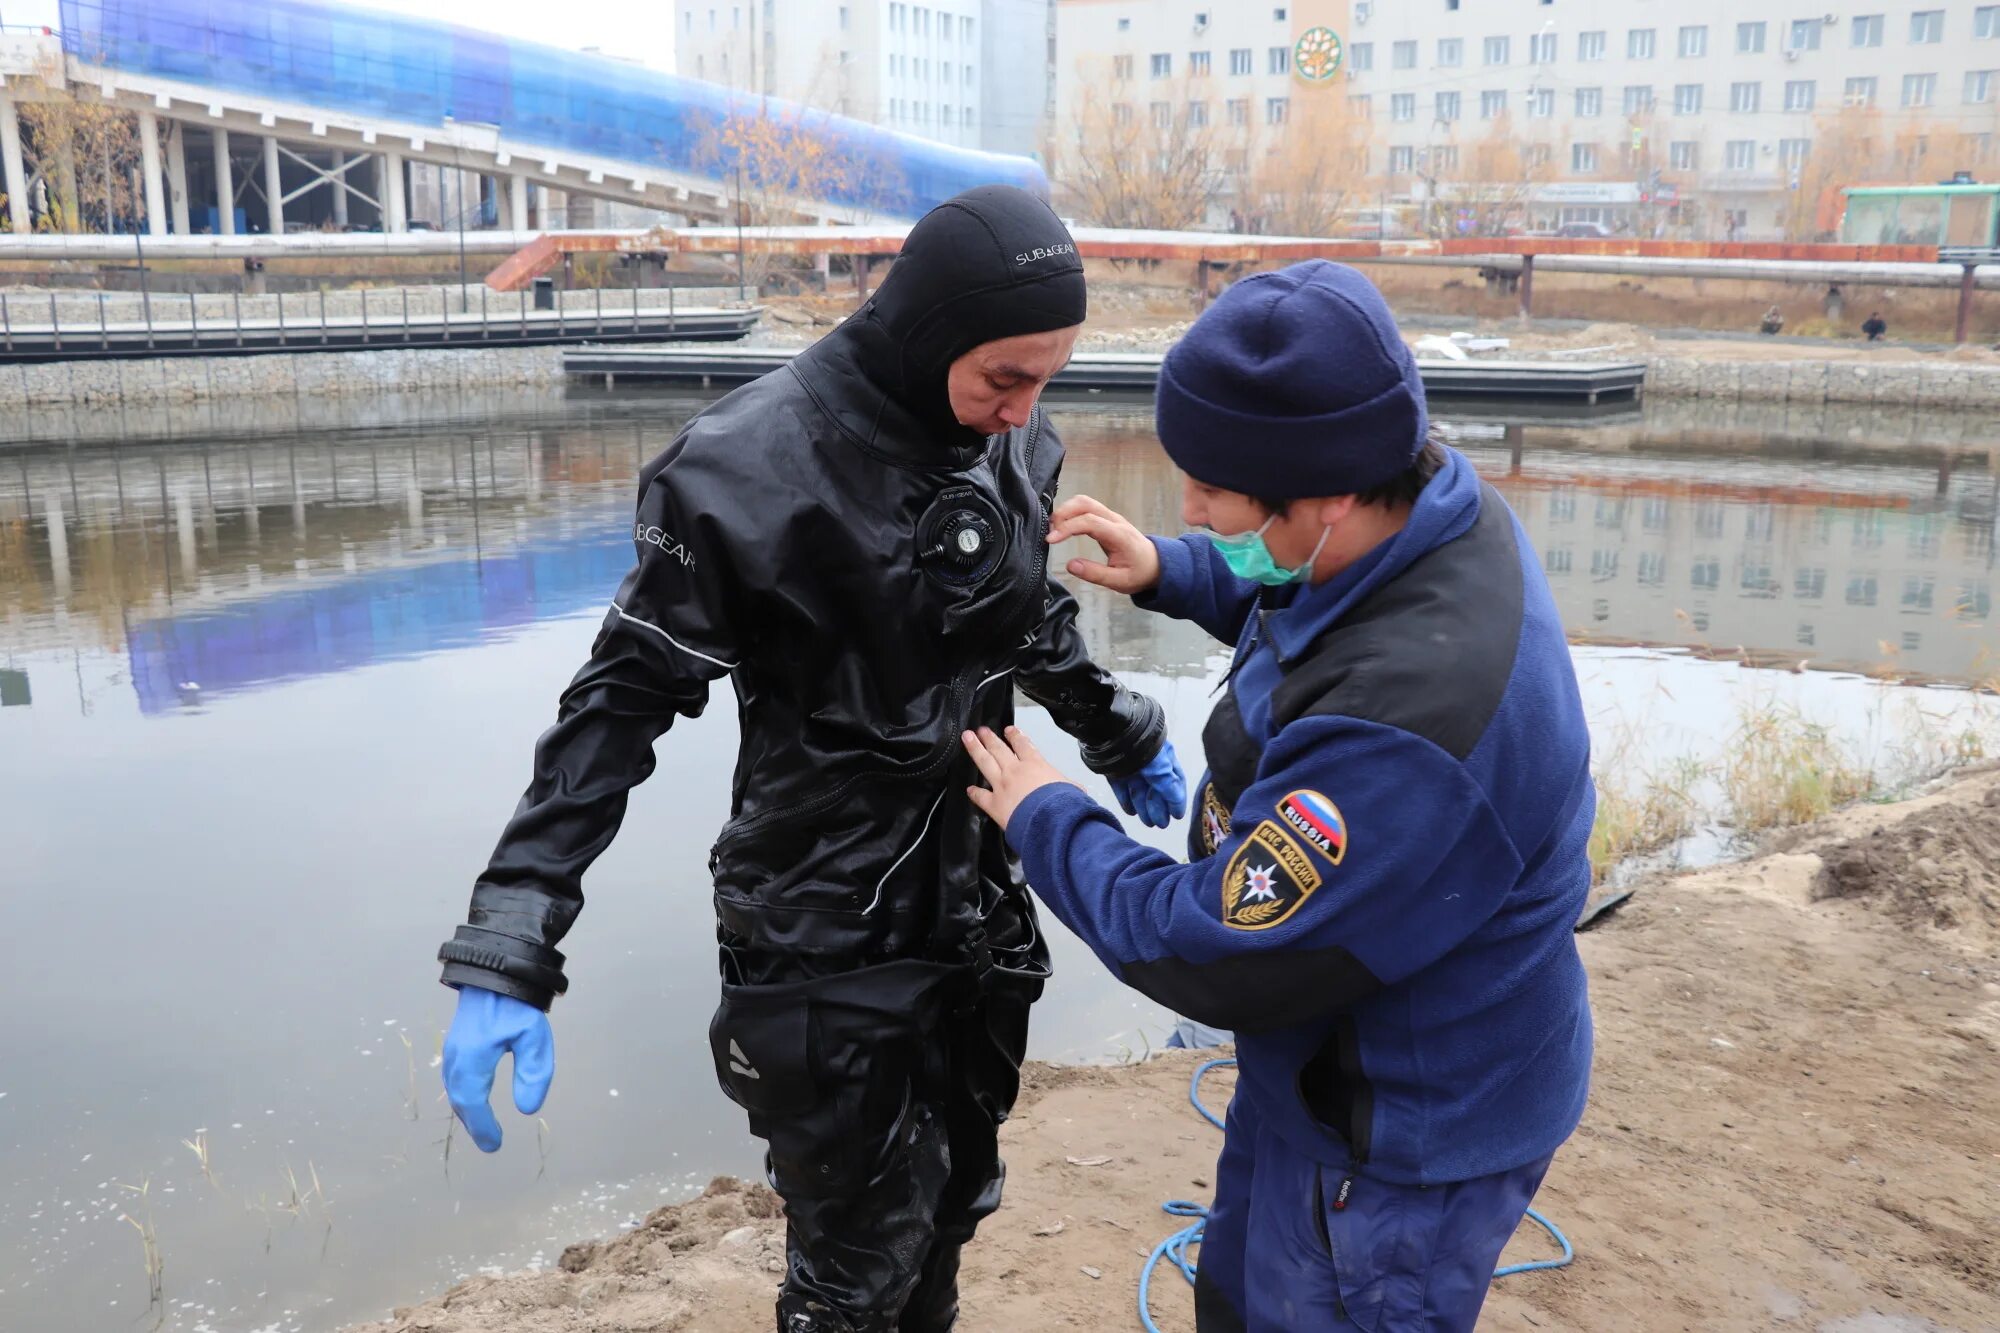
1306	568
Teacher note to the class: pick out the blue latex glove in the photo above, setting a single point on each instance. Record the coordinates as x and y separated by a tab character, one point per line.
486	1026
1157	793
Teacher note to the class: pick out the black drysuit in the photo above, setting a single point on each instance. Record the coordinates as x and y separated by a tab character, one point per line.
873	579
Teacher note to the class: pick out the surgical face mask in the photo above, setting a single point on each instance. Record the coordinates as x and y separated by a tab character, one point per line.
1249	558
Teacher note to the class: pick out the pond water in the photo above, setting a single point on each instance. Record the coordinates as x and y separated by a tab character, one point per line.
265	703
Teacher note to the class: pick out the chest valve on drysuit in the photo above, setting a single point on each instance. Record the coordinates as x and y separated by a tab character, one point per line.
961	538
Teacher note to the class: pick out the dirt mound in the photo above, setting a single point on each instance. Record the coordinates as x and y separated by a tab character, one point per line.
712	1262
1938	868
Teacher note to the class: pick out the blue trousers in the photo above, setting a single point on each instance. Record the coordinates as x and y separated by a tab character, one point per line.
1283	1254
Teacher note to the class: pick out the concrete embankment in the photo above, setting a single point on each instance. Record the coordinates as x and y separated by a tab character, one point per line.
1939	382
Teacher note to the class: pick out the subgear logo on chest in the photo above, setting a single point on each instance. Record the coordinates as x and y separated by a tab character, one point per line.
1268	879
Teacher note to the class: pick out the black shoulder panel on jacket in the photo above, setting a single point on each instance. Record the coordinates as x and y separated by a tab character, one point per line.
1429	652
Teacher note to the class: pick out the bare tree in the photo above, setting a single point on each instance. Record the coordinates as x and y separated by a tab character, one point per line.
1494	182
1143	159
84	151
1303	174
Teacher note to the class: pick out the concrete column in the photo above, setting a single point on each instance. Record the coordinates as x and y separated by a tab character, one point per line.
52	505
395	217
177	176
517	199
339	188
225	185
15	179
274	188
149	164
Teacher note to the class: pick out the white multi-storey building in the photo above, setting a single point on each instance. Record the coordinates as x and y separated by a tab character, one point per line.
968	72
1623	110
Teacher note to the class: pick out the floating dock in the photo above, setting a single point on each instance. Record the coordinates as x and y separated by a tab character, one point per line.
174	329
1574	382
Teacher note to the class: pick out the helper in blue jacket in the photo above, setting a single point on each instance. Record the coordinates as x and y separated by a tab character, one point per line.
1390	851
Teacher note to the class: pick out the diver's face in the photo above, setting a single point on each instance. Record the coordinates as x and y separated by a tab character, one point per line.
994	386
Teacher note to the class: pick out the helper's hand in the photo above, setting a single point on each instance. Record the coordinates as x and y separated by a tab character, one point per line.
487	1025
1012	768
1157	793
1130	563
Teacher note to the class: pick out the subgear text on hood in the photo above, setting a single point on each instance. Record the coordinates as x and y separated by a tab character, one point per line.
665	540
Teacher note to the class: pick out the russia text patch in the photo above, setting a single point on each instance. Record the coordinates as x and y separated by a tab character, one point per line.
1318	821
1268	879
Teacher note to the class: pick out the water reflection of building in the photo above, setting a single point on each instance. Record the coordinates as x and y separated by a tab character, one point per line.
1869	565
227	566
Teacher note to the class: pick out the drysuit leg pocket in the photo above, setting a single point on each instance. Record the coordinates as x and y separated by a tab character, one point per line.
762	1047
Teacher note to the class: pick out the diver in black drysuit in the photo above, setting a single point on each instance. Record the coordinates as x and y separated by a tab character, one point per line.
872	576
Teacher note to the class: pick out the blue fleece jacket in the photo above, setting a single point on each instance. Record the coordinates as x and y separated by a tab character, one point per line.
1389	854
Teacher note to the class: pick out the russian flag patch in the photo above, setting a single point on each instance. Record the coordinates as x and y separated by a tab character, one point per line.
1318	821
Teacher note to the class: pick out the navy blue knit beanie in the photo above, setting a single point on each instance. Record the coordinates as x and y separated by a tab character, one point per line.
1293	384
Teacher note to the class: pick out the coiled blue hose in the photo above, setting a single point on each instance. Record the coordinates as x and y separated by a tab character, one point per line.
1176	1246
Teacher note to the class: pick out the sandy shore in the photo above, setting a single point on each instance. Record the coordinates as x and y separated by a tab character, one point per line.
1795	1124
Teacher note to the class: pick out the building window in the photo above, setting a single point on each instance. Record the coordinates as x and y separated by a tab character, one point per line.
1362	106
1859	91
1451	52
969	120
1986	21
1121	114
1121	67
1197	115
1750	38
1276	110
1694	42
1278	15
1927	27
1402	161
1681	154
1583	158
1979	85
1866	30
1360	57
1239	60
1281	60
1792	153
1402	106
944	114
1198	64
1638	99
1498	50
1540	154
1163	65
1746	98
1446	107
1740	154
1492	104
1163	115
1444	158
1589	103
1239	111
1800	95
1124	25
1590	45
1805	34
1919	90
1402	55
1541	103
1639	44
1542	49
1687	99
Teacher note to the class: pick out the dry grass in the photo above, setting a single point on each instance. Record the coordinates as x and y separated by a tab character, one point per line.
1783	768
1643	815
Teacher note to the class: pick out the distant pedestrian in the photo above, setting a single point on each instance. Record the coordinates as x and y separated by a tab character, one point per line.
1773	321
1874	326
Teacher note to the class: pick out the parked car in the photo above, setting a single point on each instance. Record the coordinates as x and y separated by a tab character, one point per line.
1584	231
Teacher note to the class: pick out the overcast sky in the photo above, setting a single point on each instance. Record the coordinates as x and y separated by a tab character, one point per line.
643	32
